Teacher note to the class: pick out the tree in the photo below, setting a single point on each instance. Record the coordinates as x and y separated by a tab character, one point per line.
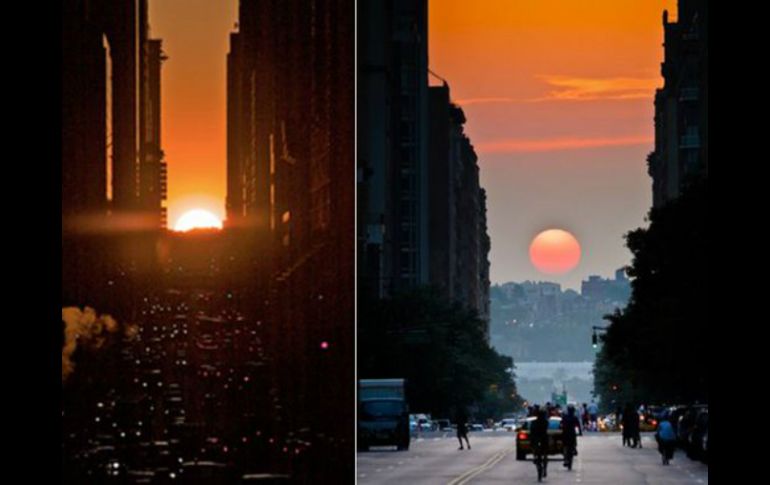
440	348
656	346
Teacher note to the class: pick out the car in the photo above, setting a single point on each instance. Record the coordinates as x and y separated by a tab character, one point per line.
695	442
508	424
426	424
443	424
476	427
686	424
524	446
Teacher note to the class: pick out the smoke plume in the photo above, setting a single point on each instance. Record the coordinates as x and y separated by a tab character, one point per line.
86	330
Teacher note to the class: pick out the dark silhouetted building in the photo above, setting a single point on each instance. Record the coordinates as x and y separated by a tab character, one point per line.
459	243
110	134
681	106
290	200
421	211
153	173
392	147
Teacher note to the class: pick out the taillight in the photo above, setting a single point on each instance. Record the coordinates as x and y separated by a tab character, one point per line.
522	436
654	423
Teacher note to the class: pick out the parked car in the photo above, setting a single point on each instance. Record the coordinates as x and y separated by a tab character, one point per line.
686	424
476	427
695	442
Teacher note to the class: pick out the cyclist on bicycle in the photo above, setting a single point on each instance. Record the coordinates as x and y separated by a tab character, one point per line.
539	436
569	423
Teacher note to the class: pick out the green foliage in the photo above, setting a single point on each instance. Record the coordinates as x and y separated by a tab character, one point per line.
655	349
441	350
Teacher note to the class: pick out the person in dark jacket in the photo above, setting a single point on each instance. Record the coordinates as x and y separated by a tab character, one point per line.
570	425
462	429
538	434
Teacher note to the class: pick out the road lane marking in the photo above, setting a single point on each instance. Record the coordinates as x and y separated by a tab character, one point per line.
492	461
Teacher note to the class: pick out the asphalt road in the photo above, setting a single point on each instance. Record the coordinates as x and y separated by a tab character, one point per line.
434	459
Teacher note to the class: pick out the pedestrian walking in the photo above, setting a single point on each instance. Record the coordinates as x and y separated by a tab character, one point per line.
666	440
593	413
462	429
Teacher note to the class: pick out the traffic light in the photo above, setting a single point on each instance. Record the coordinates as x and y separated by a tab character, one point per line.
594	340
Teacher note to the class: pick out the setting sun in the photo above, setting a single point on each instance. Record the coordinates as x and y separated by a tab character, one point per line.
554	251
197	219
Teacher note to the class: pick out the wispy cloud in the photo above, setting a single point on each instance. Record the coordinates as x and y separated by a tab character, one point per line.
489	100
571	88
522	145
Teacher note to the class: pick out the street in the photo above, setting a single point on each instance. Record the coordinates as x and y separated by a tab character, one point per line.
434	458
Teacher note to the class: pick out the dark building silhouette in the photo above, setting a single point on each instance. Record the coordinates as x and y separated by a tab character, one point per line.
459	243
421	211
392	145
152	190
681	106
110	134
290	200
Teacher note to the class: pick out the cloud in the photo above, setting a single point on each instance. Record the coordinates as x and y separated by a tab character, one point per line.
589	89
489	100
570	88
523	145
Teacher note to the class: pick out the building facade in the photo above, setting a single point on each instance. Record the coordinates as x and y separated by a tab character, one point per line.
392	153
112	170
290	203
681	105
459	243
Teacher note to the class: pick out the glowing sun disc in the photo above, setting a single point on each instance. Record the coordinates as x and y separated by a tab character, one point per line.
197	219
554	251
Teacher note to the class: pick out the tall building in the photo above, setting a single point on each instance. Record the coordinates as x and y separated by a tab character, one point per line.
290	112
106	94
681	105
392	146
153	180
459	243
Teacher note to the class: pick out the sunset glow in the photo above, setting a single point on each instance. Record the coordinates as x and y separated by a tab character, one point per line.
555	91
197	219
555	251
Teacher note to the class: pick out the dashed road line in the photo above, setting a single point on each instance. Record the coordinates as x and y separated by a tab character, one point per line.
492	461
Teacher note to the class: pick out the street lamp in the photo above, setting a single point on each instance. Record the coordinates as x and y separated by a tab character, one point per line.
595	336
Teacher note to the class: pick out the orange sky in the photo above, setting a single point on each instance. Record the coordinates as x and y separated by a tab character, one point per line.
558	96
195	36
559	100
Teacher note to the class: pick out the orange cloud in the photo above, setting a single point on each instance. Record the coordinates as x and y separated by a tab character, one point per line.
556	144
489	100
580	89
588	89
